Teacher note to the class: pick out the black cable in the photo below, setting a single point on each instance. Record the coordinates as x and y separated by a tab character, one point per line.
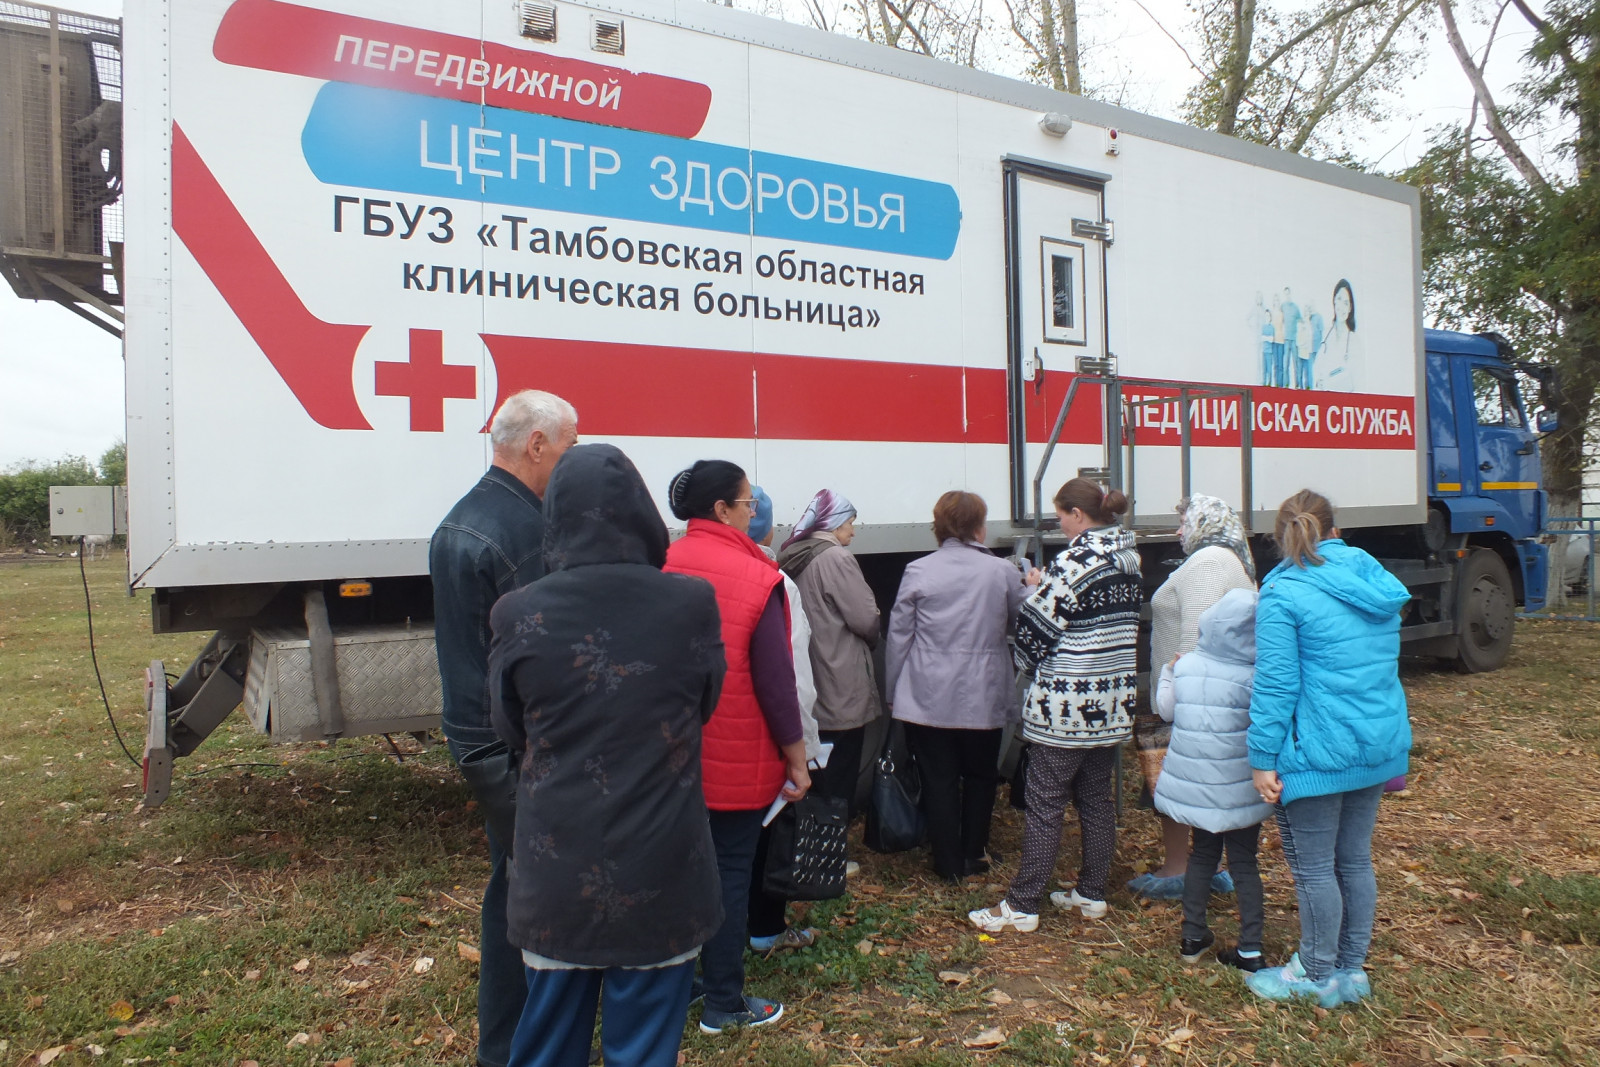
88	610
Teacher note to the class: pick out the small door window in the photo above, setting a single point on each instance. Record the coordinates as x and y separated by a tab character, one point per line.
1495	396
1063	296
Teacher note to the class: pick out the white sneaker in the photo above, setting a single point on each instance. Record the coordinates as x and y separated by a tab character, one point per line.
1090	909
994	920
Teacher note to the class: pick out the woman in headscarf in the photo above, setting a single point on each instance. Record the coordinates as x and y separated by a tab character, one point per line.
769	915
601	676
754	740
1217	560
844	631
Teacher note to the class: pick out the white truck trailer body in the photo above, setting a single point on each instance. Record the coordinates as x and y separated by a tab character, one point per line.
352	227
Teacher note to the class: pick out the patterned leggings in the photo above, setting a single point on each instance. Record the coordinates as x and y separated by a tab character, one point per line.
1054	776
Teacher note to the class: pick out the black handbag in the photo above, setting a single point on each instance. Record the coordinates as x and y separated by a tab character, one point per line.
806	850
894	814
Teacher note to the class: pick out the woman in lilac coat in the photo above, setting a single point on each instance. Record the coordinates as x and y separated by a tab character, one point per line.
950	678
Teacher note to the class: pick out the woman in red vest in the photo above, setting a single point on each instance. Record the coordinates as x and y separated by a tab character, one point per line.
753	746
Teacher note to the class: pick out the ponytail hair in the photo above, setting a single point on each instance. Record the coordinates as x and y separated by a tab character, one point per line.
1304	521
693	493
1094	500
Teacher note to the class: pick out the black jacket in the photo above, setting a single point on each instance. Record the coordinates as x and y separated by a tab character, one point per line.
601	675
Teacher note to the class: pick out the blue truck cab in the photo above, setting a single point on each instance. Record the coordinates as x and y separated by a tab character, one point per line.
1480	555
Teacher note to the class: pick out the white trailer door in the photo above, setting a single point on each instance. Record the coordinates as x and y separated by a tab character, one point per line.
1057	309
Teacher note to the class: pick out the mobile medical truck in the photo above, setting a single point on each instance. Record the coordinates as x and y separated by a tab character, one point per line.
354	227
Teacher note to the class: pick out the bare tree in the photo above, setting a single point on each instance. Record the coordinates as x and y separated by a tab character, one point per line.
1048	31
1284	79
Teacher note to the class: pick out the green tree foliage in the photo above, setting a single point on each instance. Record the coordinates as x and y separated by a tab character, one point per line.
25	493
114	465
1513	248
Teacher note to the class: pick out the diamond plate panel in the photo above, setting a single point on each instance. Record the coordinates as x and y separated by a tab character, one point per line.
388	681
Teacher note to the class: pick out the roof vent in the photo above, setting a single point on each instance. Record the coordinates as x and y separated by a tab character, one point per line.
607	36
538	20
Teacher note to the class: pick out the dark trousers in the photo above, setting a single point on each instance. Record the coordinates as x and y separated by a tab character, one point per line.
734	834
767	913
842	776
642	1024
1056	775
960	773
502	986
1205	852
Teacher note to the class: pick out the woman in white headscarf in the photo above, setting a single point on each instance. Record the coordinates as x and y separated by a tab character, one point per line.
1218	559
845	628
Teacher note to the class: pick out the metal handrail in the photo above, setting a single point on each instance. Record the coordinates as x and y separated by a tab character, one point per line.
1117	407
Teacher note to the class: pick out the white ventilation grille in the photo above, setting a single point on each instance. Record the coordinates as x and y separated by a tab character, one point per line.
607	36
538	20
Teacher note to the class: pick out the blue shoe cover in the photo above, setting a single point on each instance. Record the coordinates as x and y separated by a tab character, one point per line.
1284	983
1162	888
1354	984
1222	882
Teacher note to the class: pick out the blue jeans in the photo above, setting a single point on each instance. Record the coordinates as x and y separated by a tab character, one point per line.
641	1021
1327	842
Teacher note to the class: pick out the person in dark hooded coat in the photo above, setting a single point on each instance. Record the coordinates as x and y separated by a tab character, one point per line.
601	675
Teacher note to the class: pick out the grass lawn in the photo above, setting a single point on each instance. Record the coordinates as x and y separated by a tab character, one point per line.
317	904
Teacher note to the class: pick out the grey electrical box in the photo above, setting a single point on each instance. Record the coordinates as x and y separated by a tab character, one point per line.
88	510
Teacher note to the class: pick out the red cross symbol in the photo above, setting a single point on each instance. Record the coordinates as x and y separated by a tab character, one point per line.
427	380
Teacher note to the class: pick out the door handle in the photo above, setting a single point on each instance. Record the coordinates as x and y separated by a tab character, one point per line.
1486	466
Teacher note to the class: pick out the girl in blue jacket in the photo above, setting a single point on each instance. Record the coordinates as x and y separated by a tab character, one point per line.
1328	727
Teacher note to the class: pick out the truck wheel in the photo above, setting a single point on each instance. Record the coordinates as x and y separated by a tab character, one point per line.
1487	606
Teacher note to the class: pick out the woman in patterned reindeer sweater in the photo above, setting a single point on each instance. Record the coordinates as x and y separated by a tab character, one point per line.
1077	636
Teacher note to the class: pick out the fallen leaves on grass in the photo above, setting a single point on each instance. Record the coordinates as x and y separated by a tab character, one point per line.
423	965
302	966
993	1037
121	1011
50	1055
468	952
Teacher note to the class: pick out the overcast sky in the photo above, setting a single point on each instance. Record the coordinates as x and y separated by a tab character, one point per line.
61	383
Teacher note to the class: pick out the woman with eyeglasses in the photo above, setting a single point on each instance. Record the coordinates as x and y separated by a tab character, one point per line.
753	746
845	628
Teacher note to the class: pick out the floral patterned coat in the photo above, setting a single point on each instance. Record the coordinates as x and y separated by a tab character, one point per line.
601	676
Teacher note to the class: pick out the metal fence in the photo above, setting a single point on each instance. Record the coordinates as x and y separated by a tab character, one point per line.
1572	566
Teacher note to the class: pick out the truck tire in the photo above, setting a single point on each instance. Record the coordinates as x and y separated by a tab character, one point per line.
1487	605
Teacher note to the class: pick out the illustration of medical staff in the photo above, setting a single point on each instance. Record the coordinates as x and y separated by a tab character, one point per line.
1311	329
1261	323
1341	356
1277	377
1289	354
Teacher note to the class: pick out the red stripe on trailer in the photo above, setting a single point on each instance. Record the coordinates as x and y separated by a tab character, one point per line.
327	45
654	391
313	357
632	390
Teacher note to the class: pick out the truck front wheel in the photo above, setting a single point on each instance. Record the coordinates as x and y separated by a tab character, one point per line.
1486	604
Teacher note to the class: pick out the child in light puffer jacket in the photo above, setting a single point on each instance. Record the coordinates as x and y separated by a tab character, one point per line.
1206	779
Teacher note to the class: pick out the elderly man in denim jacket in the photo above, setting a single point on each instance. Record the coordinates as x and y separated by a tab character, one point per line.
489	544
